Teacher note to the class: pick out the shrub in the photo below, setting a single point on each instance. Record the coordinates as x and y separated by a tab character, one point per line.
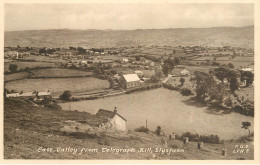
65	96
186	92
203	138
13	67
142	129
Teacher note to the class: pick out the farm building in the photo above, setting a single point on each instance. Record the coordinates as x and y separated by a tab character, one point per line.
115	121
125	60
44	94
21	94
185	72
129	81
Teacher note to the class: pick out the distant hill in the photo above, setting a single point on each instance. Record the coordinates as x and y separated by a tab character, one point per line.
219	36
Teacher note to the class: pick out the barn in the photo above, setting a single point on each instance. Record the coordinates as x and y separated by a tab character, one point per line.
115	121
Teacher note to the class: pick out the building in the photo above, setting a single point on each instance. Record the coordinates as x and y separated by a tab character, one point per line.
129	81
125	60
44	94
185	72
114	120
23	95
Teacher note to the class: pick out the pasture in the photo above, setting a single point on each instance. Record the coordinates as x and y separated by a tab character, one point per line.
16	76
58	85
23	65
156	51
58	73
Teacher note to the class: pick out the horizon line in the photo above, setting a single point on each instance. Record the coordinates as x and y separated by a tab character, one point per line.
129	29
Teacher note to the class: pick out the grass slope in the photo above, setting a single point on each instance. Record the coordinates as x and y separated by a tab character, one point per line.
27	128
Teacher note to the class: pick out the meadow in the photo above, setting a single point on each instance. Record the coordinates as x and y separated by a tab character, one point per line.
16	76
23	65
58	85
58	73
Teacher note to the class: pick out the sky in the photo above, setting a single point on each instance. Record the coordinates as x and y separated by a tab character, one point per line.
126	16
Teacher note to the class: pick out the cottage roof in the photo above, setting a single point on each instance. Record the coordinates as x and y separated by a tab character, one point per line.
27	94
44	93
107	114
131	77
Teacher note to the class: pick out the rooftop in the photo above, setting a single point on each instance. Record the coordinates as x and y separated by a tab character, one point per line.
131	77
107	114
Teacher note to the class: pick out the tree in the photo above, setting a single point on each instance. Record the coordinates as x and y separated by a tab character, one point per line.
137	58
166	69
204	83
248	76
182	80
246	125
13	67
176	61
65	96
97	71
233	84
111	82
230	65
221	73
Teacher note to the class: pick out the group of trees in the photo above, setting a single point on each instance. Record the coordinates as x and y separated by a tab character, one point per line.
46	50
208	89
168	65
230	75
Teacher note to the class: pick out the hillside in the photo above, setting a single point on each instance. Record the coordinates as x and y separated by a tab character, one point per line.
219	36
29	129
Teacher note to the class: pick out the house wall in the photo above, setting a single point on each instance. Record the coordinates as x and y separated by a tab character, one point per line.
132	84
118	123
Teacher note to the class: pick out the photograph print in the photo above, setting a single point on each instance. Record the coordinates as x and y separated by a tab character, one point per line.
128	81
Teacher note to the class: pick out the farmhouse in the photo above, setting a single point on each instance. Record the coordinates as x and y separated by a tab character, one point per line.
115	121
44	94
129	81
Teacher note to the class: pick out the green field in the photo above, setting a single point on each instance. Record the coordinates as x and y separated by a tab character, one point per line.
58	85
58	73
23	65
156	51
16	76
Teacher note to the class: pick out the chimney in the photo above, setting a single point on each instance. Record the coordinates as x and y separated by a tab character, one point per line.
115	110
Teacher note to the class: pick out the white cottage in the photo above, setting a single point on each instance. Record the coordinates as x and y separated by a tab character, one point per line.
115	121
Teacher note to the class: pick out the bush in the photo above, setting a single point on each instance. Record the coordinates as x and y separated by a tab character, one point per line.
54	106
13	67
203	138
65	96
142	129
186	92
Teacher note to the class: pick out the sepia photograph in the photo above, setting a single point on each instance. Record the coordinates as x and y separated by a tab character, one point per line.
129	81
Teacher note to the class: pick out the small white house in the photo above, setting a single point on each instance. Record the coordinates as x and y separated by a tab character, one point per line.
125	60
185	72
115	121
